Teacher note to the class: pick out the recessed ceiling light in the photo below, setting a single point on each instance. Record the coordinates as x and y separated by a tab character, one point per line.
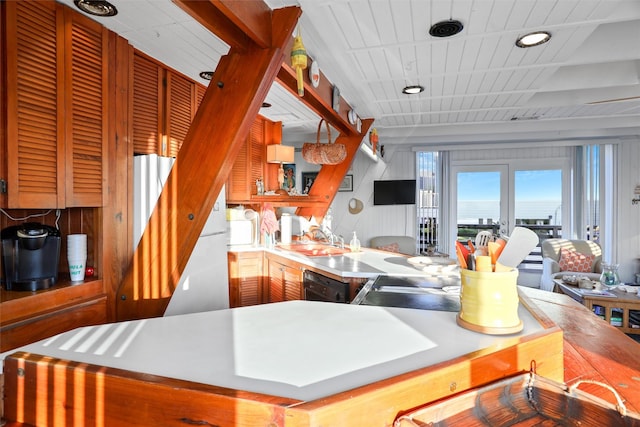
446	28
533	39
206	75
413	89
96	7
266	105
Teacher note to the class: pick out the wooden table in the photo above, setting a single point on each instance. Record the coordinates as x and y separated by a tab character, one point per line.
626	304
593	349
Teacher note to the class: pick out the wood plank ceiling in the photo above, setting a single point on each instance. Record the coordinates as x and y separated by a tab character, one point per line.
479	86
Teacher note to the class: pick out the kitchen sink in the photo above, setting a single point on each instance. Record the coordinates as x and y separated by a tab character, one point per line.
314	249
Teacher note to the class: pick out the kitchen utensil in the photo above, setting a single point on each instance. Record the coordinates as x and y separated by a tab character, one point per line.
483	238
462	256
521	242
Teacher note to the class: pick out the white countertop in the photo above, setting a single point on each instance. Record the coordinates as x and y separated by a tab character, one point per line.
298	349
366	264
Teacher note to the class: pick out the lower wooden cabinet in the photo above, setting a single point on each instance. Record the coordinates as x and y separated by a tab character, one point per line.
285	279
246	284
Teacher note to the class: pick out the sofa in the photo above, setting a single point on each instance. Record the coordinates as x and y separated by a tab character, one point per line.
401	244
560	255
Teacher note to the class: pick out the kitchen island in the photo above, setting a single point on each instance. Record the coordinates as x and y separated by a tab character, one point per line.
298	363
39	386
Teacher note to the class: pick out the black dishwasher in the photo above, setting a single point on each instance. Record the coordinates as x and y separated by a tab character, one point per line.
322	288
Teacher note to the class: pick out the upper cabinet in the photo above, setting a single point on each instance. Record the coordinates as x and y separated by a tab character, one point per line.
248	165
56	104
164	103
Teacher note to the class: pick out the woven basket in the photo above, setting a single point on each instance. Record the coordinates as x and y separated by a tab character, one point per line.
324	154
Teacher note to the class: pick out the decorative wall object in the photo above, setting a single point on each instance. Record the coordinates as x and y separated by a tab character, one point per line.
347	184
307	181
289	176
319	153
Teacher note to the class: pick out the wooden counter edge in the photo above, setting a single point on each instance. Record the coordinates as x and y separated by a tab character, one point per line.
593	349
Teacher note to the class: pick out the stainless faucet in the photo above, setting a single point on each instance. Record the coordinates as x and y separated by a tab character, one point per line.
325	234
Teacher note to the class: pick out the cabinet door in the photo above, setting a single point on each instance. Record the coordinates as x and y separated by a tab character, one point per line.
245	279
56	106
147	105
35	130
181	107
248	165
86	127
276	281
292	284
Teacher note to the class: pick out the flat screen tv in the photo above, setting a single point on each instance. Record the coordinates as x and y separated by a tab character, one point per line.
394	192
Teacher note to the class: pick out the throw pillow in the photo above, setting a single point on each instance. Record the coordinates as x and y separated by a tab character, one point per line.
391	247
575	261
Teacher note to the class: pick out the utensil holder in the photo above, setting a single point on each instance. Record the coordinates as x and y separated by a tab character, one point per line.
489	302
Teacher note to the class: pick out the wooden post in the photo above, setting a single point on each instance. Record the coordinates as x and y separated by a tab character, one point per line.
231	103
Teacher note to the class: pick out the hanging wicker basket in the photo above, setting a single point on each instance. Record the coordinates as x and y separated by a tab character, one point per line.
319	153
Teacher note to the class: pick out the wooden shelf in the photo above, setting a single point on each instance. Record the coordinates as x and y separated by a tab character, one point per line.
287	200
16	306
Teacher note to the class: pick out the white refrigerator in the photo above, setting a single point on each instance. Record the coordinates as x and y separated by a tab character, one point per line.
204	284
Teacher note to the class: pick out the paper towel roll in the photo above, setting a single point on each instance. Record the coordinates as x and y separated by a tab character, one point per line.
285	228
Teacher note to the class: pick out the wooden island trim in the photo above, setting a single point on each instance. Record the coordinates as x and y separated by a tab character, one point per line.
140	399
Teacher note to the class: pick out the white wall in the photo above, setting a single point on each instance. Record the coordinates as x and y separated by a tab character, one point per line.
399	163
627	235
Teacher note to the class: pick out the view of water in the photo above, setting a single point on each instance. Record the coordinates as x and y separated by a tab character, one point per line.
470	210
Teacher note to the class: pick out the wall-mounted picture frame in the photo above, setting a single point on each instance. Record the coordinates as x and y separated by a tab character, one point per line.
347	184
308	179
289	176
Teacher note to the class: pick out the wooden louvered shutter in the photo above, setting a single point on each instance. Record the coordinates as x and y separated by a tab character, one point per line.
248	166
86	127
238	185
35	134
147	106
180	111
200	90
258	153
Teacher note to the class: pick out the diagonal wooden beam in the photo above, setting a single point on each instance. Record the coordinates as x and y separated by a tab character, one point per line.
329	178
223	121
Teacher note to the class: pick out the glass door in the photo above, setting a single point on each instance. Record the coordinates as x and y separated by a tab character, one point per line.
482	196
500	197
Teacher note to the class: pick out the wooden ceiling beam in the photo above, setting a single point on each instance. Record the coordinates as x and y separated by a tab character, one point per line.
234	22
319	99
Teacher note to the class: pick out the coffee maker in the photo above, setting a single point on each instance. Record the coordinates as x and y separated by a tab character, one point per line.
30	253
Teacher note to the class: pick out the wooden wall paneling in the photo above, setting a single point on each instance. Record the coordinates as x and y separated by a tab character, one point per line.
147	105
86	98
35	131
116	233
3	105
244	76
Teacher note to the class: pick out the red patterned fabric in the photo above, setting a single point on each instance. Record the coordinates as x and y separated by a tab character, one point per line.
575	261
391	247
